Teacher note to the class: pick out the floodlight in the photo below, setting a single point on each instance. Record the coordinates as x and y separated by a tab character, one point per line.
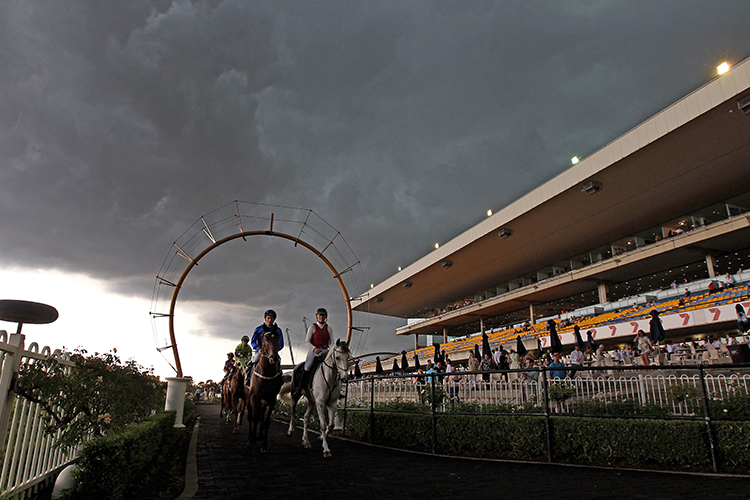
722	68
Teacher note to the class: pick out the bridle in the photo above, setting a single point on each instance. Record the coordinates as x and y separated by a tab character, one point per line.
336	378
272	358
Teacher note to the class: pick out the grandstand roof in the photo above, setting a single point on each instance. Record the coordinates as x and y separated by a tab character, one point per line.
690	155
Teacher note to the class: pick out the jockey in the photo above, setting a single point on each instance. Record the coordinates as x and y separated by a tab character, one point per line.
243	352
269	325
318	341
228	365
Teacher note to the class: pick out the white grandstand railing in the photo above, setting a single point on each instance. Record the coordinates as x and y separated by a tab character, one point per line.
30	457
642	389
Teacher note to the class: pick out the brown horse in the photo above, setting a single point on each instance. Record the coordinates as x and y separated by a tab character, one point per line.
226	397
237	390
264	389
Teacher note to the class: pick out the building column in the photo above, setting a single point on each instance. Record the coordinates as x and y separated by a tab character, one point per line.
532	318
445	335
602	293
710	262
416	341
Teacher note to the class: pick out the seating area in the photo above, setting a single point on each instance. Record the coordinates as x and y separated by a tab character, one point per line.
701	299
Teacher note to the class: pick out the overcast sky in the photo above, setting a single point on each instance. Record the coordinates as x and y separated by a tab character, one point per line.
400	123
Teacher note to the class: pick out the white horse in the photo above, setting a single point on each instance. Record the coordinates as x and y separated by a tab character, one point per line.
326	387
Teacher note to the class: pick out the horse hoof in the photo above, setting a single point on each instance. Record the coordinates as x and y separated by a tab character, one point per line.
306	445
235	431
263	450
326	454
290	433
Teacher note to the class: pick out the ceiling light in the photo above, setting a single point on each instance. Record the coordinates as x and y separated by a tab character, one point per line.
592	187
574	160
489	213
437	245
722	68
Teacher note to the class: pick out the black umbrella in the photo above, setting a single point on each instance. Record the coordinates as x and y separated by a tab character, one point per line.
590	336
657	331
417	366
378	366
357	371
395	366
554	339
437	352
539	346
520	348
486	349
579	340
404	361
476	351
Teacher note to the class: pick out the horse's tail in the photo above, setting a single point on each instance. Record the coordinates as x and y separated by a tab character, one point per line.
285	394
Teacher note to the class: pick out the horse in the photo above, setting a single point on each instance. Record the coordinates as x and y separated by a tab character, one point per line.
237	392
226	398
265	383
326	387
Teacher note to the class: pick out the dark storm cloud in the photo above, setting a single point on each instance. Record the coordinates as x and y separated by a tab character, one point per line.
400	123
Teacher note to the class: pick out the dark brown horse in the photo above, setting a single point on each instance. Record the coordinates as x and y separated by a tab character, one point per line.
263	390
237	391
226	397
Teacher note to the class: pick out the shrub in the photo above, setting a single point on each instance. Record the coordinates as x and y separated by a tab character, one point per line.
97	395
134	462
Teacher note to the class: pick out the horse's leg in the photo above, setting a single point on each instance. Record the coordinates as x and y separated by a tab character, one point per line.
264	425
331	417
323	428
305	440
292	412
252	418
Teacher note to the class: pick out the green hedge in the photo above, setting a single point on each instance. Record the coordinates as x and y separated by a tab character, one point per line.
667	444
135	462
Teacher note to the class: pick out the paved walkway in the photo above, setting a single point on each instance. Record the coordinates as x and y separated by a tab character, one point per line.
227	469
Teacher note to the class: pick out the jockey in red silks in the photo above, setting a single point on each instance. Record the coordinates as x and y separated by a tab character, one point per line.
318	340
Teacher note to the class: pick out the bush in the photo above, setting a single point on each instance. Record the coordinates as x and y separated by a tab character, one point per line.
97	395
671	444
135	462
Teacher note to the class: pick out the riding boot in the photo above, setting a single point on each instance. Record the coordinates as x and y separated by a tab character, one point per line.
304	379
248	373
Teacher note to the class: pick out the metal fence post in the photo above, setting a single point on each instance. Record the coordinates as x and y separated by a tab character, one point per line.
434	416
707	417
346	407
545	386
372	408
10	369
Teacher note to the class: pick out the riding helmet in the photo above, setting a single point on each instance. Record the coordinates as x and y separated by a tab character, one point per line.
322	311
270	312
245	337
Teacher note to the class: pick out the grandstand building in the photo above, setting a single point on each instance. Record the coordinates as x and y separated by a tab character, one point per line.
663	209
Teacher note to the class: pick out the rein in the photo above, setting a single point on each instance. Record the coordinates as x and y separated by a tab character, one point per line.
270	357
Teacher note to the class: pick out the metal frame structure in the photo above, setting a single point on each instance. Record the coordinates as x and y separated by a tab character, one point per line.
314	234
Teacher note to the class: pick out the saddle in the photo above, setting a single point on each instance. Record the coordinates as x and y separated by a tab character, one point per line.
298	375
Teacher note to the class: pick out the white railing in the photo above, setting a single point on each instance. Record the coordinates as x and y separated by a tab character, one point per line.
30	456
638	388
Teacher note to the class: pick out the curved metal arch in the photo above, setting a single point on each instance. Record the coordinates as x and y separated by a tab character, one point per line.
243	234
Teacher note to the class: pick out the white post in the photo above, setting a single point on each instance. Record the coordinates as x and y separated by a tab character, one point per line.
11	366
176	387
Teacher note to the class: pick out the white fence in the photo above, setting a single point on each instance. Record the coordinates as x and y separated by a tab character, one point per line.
29	455
639	388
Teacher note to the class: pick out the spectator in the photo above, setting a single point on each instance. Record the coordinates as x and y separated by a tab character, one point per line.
576	360
486	366
644	346
529	378
556	363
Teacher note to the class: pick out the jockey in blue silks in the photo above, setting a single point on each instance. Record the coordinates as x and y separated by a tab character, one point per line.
268	325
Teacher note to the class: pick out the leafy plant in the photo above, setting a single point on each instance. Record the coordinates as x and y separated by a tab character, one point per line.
95	396
560	393
426	395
